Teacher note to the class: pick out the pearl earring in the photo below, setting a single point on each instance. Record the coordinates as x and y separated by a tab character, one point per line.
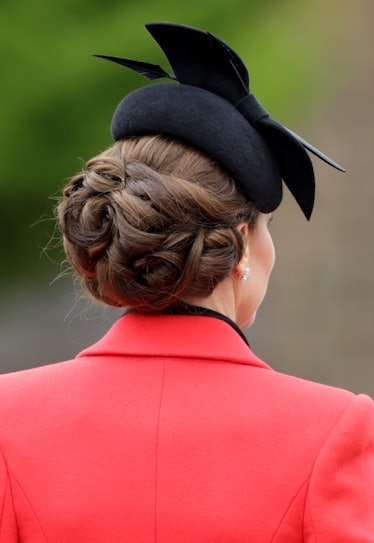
245	275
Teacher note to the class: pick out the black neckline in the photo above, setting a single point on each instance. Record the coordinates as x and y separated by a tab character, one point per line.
188	309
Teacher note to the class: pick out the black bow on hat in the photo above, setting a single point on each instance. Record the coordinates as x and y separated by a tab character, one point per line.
213	109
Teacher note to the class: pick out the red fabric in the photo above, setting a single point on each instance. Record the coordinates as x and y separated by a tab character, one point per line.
170	429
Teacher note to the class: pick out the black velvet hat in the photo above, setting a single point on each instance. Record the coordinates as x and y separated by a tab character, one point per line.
210	106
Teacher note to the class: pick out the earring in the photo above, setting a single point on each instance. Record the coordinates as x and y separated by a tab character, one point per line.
245	275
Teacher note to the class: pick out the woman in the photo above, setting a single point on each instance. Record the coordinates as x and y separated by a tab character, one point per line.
170	428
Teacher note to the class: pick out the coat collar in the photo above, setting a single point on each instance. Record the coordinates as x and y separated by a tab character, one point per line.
181	336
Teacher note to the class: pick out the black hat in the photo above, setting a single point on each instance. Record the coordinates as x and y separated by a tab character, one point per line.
211	107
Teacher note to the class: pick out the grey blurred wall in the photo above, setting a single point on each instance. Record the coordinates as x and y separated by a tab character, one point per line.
318	319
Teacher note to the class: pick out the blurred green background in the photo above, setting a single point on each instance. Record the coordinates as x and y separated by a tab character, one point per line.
311	65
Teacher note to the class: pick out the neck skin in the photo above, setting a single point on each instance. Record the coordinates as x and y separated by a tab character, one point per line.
224	299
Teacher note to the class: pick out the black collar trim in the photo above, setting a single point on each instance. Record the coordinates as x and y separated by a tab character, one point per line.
187	309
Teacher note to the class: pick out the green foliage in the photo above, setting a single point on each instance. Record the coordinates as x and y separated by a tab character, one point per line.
57	100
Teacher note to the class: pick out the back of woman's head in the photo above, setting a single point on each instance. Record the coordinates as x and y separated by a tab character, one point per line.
150	224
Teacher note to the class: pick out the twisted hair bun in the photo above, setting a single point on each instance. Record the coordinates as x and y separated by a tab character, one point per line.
151	224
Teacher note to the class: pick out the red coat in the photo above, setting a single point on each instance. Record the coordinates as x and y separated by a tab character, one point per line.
170	429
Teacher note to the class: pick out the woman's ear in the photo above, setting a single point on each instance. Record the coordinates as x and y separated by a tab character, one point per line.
242	266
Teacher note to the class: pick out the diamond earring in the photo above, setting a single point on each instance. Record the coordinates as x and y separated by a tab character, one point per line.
245	275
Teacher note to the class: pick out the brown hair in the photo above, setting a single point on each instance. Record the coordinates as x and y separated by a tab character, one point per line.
151	224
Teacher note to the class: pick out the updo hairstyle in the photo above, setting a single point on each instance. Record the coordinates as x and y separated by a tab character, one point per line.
150	224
